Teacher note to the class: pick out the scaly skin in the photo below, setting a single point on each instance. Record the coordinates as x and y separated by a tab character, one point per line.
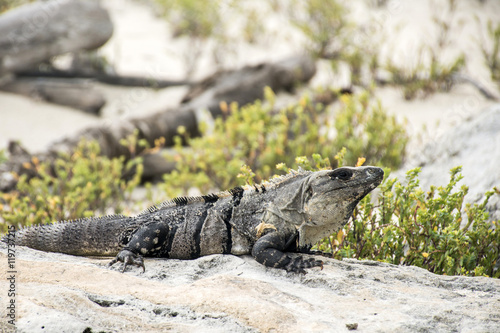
287	214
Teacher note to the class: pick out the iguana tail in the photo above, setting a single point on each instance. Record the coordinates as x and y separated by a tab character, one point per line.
103	236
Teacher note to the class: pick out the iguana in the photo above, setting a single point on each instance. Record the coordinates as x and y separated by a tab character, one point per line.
287	214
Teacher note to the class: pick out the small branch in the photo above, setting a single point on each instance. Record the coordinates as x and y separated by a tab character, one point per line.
119	80
462	78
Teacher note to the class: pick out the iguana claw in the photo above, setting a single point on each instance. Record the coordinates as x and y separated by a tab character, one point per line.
128	258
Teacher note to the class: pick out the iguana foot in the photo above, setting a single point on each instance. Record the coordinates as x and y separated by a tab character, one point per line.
128	258
267	251
298	264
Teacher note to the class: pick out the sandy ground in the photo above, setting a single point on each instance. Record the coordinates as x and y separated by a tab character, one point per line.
142	45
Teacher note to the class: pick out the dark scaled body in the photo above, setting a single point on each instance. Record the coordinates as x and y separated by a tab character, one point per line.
287	214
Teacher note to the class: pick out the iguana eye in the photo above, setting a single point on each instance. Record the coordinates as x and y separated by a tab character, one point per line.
343	174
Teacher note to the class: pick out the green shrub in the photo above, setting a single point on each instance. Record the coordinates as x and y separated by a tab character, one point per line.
324	23
425	80
429	74
430	229
331	35
492	55
195	19
258	136
366	130
74	186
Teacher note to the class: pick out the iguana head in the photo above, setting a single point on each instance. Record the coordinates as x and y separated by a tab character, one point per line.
330	196
320	203
326	199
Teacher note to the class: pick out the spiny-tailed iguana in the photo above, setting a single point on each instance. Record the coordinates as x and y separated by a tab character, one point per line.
287	214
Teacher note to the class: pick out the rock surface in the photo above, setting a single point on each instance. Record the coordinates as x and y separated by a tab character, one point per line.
224	293
475	145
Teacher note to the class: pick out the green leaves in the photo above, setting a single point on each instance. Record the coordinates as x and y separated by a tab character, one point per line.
324	23
197	19
491	55
366	130
261	137
75	186
427	229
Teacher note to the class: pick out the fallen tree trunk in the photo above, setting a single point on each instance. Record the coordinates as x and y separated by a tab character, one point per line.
241	86
77	94
162	124
247	84
34	33
117	80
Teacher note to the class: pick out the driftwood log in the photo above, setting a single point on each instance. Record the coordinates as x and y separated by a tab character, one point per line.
78	94
111	79
32	34
246	85
242	86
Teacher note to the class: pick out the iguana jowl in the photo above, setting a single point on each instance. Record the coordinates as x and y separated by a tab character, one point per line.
287	214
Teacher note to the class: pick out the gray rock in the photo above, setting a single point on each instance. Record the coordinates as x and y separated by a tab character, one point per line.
224	293
475	145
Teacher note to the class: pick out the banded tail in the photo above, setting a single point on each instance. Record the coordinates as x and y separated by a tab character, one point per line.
103	236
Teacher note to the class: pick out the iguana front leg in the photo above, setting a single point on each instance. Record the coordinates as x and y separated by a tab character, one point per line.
128	258
147	240
268	251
